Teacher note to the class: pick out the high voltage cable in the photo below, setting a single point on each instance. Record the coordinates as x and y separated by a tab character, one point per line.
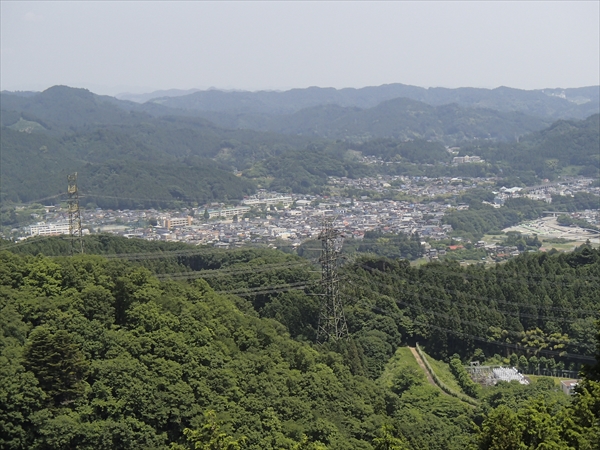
227	272
175	253
163	254
270	291
479	338
510	313
42	199
158	200
477	297
586	311
508	277
241	292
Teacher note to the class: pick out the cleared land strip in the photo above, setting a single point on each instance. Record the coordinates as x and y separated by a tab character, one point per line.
422	365
434	379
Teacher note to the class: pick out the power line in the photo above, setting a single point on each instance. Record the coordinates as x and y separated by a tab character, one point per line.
229	272
477	297
241	292
486	340
461	305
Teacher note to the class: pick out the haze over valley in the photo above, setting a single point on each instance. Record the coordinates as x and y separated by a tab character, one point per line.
300	226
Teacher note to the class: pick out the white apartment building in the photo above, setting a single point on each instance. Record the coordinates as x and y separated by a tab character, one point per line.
49	229
286	201
228	212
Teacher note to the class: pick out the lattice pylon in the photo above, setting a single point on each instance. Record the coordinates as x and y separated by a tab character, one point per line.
74	214
332	322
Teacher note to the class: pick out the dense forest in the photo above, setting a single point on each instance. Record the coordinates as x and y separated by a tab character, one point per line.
162	345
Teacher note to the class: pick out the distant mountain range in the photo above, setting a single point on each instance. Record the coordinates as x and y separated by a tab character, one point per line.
574	103
145	149
314	112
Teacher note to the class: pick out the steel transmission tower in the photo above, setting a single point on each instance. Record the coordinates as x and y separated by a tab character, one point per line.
74	214
332	323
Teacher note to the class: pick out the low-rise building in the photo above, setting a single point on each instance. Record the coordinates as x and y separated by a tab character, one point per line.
49	229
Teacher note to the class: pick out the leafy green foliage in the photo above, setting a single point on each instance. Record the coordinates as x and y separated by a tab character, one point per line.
463	378
452	309
99	353
57	362
152	358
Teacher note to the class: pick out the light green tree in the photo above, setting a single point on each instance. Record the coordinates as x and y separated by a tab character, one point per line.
387	441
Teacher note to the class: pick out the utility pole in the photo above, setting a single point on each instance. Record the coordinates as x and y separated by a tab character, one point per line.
332	322
74	214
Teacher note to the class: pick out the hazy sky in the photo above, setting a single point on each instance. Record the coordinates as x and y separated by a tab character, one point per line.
110	47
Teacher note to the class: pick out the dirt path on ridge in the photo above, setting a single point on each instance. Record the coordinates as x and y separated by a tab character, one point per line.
422	364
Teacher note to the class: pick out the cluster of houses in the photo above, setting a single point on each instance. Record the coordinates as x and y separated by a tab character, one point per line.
411	186
544	192
268	216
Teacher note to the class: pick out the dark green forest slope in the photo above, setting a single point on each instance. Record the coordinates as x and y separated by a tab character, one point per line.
399	118
116	172
548	151
100	353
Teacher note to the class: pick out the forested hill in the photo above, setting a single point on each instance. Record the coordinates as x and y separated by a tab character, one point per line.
114	170
548	151
548	103
181	158
103	354
399	118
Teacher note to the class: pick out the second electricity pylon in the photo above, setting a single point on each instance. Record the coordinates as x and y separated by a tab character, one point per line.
332	322
74	214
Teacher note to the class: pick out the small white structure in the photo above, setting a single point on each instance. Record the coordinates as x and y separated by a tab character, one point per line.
568	386
509	374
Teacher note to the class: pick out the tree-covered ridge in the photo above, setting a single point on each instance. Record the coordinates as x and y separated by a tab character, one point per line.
35	166
179	157
535	305
139	361
548	151
398	118
404	119
98	353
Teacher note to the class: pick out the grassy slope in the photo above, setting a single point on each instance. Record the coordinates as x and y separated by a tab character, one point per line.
443	372
402	360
